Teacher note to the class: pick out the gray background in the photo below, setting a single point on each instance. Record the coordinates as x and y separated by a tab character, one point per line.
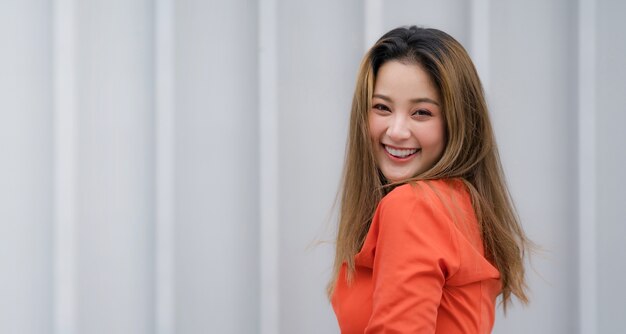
171	166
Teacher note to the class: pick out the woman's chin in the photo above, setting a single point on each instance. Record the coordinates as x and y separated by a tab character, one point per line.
397	177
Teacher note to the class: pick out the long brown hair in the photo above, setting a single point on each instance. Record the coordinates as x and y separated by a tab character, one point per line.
470	154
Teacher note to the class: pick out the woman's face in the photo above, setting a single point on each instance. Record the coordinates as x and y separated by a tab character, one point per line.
405	123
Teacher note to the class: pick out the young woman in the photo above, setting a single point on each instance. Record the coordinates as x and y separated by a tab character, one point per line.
428	236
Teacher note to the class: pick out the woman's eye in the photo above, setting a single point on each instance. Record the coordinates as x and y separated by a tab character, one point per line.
422	112
381	107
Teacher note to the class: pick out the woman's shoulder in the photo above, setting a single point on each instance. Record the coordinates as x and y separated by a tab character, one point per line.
443	204
424	213
427	191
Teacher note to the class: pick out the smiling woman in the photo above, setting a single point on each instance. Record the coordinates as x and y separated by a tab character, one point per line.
405	122
428	236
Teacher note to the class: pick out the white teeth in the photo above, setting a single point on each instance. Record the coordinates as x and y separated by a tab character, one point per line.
400	153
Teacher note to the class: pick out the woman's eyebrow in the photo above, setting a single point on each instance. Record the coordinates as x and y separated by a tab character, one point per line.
415	100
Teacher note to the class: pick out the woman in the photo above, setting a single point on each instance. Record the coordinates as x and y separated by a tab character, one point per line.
428	236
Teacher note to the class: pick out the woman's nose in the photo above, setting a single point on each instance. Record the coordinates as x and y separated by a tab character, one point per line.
398	128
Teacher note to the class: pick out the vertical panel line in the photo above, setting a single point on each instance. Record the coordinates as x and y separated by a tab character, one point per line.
269	293
586	162
164	103
373	22
480	47
65	158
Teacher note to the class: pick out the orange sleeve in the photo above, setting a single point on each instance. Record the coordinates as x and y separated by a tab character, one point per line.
416	251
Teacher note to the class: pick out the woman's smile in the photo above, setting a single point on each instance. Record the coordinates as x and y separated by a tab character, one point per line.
401	154
405	122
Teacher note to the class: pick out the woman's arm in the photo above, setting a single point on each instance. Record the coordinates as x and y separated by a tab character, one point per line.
416	252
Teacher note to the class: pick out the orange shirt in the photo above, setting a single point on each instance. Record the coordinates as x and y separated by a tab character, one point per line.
422	268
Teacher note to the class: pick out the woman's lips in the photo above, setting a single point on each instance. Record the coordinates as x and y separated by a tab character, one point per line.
401	154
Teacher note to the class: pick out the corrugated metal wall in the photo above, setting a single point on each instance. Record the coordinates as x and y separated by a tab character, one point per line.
171	166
